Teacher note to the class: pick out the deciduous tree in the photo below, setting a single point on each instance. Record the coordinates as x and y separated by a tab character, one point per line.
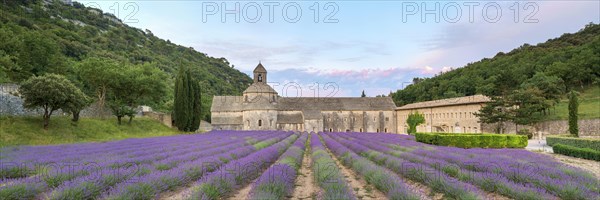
413	120
135	85
50	92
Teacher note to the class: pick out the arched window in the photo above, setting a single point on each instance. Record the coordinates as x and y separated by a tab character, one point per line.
259	122
330	130
361	130
385	130
259	77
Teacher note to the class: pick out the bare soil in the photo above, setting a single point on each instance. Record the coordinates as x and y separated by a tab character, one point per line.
306	187
243	193
587	165
179	194
423	191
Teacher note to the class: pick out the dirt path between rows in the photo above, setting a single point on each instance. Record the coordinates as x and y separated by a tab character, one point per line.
362	189
179	194
306	187
243	193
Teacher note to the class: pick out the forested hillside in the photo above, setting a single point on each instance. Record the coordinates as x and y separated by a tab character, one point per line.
572	61
43	36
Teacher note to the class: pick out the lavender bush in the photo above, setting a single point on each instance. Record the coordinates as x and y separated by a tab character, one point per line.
278	181
327	174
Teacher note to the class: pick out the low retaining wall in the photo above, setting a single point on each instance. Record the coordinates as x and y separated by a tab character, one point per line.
587	128
161	117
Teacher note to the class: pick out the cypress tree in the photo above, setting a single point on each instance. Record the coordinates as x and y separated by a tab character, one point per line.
186	111
196	105
573	104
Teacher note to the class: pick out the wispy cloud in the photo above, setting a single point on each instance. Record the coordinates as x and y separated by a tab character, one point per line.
371	48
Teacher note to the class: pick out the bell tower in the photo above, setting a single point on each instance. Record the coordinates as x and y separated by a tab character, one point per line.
260	74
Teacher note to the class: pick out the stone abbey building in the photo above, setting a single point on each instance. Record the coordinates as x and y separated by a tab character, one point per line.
261	108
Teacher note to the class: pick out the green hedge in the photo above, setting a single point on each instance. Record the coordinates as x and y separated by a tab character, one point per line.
585	153
574	142
470	140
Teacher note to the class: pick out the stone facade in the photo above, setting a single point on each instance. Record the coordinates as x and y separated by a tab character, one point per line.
454	115
261	108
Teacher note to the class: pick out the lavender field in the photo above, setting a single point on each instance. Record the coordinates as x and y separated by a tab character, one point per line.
267	165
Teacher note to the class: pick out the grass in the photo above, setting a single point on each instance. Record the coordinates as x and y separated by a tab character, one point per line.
29	131
589	105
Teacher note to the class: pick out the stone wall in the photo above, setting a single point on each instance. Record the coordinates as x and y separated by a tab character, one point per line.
12	105
205	126
9	88
260	119
587	128
227	120
161	117
313	125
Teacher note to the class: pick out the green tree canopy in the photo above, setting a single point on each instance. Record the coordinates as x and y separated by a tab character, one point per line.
495	112
133	86
551	87
97	75
413	120
50	92
527	104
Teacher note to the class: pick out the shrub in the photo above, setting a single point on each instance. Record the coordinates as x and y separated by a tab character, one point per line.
585	153
473	140
516	142
428	138
574	142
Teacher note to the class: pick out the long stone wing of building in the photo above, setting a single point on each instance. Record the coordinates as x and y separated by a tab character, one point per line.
361	114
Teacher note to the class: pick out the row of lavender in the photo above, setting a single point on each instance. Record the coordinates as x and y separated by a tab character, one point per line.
234	175
120	169
383	179
327	174
278	181
453	171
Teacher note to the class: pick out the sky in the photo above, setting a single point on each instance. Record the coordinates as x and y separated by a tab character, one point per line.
340	48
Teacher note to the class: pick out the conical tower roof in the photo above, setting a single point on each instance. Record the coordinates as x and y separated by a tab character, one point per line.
260	69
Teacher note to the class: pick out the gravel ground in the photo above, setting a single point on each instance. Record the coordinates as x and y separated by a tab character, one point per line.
588	165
